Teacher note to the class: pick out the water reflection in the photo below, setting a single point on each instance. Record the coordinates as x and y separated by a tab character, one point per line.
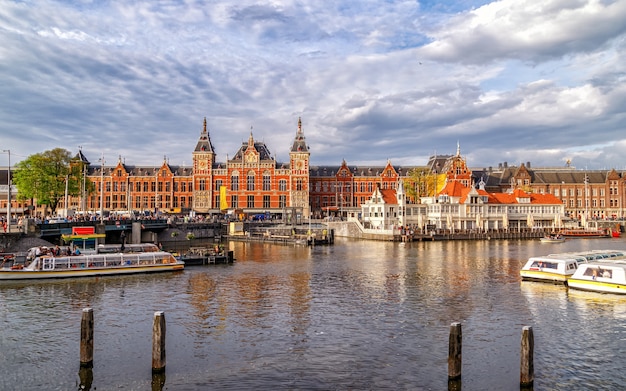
356	315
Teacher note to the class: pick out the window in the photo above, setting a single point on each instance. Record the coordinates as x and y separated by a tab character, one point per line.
233	201
183	186
202	184
160	186
250	201
282	201
250	181
234	184
299	184
218	184
266	201
282	185
267	182
167	186
115	186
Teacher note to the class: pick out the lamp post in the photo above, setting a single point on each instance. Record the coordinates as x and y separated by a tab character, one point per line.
102	189
8	192
586	200
67	177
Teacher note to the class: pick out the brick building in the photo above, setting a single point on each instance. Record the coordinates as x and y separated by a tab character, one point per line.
251	181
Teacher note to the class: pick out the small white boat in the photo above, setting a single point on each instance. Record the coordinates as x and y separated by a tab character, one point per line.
604	277
552	239
551	268
88	265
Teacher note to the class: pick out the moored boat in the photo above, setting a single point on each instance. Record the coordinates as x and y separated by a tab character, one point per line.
552	239
603	277
585	233
47	266
551	268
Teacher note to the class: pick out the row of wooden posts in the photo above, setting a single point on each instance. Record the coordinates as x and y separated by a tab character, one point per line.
454	351
527	375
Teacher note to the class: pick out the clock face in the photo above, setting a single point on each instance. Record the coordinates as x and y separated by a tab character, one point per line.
251	158
202	164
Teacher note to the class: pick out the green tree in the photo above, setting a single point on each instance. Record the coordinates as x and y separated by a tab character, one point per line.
42	177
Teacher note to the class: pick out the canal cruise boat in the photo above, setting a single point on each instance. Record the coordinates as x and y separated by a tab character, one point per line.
109	261
607	276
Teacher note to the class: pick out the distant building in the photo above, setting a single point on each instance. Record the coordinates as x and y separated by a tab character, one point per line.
253	182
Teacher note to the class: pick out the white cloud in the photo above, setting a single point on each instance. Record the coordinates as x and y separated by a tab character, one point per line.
371	80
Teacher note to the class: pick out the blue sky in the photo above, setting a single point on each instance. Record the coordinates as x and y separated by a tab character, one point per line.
510	81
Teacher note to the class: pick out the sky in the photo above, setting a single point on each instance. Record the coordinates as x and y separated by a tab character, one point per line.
511	81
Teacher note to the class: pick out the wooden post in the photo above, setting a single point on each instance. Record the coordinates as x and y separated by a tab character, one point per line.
86	338
158	342
454	351
527	369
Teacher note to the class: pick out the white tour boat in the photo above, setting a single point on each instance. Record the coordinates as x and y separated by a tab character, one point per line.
551	268
607	276
47	265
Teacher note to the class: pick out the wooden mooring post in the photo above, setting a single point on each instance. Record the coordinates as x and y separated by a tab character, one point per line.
158	342
527	369
454	352
86	338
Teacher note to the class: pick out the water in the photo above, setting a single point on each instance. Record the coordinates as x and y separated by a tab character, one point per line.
358	315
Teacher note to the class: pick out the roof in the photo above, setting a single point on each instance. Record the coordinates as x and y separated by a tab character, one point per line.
299	143
204	141
389	196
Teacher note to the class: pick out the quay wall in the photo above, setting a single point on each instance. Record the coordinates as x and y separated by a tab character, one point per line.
353	230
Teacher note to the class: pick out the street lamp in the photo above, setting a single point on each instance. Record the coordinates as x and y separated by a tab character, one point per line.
102	189
67	177
8	192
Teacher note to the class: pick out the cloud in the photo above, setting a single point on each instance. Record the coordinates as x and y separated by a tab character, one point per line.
509	80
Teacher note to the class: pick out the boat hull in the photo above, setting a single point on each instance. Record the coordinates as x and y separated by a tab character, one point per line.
597	286
551	240
541	276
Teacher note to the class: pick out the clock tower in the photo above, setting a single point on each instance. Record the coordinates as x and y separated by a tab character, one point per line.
203	158
299	157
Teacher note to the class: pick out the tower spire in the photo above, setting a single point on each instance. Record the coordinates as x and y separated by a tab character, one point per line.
299	143
204	141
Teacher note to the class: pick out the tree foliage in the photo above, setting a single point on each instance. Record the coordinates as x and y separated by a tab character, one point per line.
42	177
421	182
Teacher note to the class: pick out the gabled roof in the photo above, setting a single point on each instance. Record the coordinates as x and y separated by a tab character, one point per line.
389	196
454	189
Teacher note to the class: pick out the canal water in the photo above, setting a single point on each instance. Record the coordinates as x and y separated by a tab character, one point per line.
358	315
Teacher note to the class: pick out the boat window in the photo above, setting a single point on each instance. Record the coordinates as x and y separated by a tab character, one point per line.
545	265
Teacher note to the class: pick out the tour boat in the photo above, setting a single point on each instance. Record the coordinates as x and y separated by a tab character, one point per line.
603	277
88	265
585	233
551	268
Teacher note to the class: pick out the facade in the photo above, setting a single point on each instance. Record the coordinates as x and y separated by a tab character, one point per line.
460	206
586	194
253	182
